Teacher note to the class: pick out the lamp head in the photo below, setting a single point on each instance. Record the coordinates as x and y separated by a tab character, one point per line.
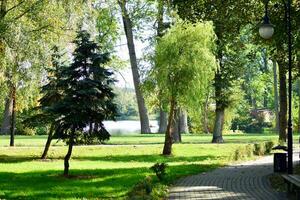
266	29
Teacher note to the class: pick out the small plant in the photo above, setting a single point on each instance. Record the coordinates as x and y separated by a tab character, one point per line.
259	149
141	190
160	170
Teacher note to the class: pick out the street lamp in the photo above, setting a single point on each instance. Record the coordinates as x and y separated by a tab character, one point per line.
266	31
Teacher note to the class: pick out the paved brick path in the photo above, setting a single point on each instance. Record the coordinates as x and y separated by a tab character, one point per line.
242	181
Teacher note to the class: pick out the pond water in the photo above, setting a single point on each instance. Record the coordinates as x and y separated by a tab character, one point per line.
126	127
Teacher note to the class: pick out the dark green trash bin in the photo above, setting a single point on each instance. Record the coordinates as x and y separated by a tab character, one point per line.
280	163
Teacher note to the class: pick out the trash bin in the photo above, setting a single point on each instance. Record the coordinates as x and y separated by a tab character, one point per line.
280	164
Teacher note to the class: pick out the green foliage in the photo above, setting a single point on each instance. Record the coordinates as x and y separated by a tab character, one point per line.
259	149
268	146
243	152
126	103
22	130
87	97
141	190
160	170
184	64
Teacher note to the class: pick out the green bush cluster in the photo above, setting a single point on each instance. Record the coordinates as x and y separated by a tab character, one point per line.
258	149
147	189
160	170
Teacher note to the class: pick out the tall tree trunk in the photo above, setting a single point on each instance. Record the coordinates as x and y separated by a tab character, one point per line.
48	143
69	153
276	103
176	127
169	137
283	101
13	118
183	122
205	117
220	110
6	123
163	121
219	122
160	28
144	120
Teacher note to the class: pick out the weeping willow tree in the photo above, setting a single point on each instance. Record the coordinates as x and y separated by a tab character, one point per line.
184	66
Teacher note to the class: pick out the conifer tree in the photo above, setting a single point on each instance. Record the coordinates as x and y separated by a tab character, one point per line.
87	97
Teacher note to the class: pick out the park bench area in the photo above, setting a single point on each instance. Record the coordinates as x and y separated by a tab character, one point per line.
293	184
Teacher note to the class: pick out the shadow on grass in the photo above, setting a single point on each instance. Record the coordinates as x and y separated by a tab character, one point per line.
118	158
146	158
16	159
104	184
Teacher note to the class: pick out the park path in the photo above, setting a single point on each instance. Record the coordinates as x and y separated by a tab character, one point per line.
248	180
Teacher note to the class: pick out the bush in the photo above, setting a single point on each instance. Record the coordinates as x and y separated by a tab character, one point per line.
41	130
22	130
243	152
268	146
160	170
249	150
141	190
259	149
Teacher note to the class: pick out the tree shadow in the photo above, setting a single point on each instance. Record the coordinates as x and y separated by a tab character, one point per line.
16	159
146	158
99	183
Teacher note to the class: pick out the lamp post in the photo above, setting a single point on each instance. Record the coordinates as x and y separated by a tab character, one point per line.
266	30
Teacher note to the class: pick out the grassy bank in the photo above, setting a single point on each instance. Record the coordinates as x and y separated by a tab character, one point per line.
106	171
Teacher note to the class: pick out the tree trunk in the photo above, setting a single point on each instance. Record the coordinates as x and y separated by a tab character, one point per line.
6	123
13	118
144	120
48	143
168	137
219	122
69	153
162	121
160	28
220	110
283	101
183	122
205	117
176	127
276	104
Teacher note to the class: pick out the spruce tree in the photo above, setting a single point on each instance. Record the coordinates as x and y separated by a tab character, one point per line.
87	97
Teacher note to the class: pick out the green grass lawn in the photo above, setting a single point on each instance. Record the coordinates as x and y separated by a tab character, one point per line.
105	171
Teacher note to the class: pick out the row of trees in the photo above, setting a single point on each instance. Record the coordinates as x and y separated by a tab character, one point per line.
203	56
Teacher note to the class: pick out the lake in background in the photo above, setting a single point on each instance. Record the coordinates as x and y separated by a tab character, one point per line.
127	127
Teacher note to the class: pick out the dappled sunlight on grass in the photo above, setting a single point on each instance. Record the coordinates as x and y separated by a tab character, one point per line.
99	172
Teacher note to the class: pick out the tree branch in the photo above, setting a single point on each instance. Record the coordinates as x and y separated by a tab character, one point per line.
15	6
28	10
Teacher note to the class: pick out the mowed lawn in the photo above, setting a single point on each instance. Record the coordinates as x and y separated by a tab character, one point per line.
105	171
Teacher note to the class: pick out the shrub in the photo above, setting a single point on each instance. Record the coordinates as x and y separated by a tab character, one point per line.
239	153
141	190
268	146
41	130
243	152
160	170
22	130
249	150
259	149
